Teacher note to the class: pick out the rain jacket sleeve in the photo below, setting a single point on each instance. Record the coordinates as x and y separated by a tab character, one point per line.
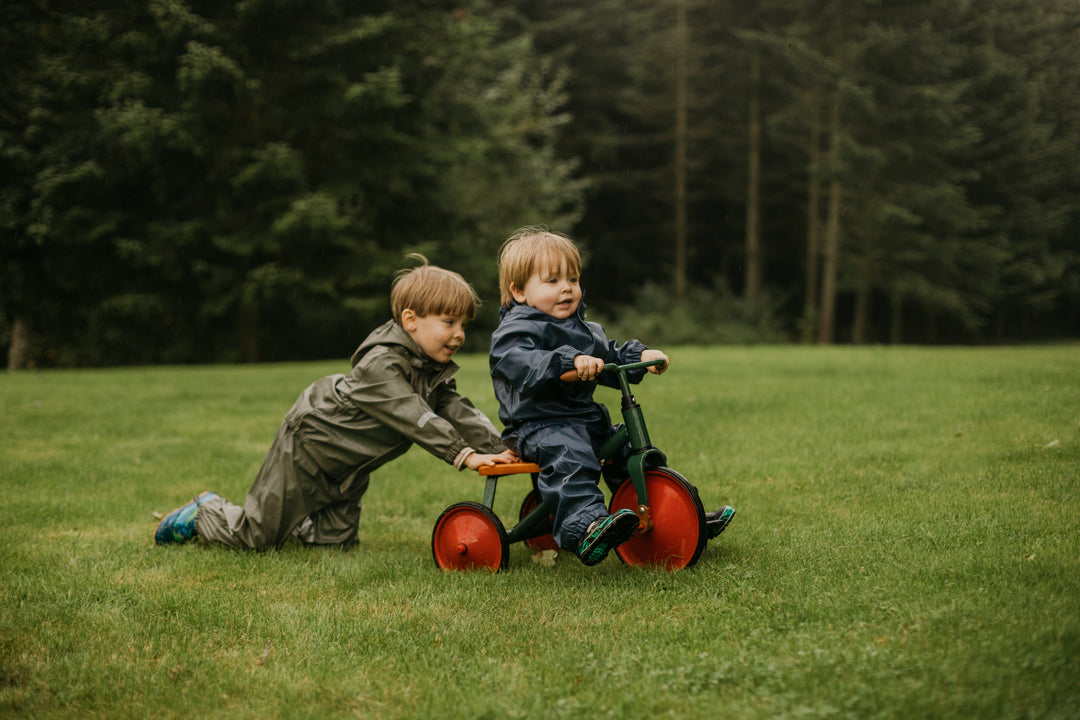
518	357
628	352
529	351
478	431
381	388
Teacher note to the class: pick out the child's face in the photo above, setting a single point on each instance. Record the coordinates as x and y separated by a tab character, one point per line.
439	336
554	291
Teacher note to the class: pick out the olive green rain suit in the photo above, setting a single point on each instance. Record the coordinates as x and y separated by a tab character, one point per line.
341	428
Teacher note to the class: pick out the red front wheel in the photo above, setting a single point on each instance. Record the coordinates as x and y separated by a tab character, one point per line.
678	534
469	536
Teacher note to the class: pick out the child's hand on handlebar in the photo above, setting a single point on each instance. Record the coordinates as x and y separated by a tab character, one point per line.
588	367
656	355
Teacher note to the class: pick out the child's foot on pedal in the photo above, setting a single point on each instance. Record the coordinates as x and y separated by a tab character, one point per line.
715	522
606	533
179	526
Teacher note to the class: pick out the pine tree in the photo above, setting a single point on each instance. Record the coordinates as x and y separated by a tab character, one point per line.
246	177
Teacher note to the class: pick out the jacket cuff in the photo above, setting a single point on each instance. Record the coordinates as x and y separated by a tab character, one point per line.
566	358
459	461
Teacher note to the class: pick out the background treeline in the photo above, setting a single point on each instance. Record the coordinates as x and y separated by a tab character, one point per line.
198	180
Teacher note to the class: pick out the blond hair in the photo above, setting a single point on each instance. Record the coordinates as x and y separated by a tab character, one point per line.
430	290
531	250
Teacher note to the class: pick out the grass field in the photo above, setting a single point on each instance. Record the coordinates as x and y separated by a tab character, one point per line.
907	545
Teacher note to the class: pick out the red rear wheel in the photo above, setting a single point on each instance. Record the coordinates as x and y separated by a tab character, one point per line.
678	535
540	542
468	536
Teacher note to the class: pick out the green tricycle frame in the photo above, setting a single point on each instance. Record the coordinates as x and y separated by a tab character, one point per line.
671	532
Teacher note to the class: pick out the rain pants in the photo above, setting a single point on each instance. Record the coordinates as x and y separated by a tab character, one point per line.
340	430
553	423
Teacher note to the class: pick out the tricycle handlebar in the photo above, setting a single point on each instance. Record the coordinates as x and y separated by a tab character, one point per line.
572	375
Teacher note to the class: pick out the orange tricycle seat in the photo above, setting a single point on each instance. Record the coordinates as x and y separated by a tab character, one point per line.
520	468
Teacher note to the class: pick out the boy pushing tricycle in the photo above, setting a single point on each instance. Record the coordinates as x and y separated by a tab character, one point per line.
400	392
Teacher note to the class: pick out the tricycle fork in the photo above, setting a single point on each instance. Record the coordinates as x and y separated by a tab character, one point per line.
640	460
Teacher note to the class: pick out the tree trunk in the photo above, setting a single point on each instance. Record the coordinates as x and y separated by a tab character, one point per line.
813	219
682	39
863	303
896	320
248	333
19	349
752	291
831	251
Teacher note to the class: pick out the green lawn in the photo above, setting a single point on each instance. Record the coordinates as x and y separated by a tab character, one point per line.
907	545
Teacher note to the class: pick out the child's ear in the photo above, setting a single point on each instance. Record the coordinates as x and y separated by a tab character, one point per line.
408	319
518	294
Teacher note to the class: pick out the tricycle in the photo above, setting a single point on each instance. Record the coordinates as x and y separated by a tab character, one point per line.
673	527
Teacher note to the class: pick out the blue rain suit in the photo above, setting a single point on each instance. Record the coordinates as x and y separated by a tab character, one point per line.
553	423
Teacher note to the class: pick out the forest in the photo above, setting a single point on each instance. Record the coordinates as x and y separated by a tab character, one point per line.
196	181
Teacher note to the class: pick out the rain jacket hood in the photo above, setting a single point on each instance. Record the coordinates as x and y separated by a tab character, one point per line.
392	334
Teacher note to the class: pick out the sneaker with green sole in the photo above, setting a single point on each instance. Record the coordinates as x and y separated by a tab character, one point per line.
607	533
715	522
178	527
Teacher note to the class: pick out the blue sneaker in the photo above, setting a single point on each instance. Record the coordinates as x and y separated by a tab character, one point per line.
179	526
715	522
605	534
